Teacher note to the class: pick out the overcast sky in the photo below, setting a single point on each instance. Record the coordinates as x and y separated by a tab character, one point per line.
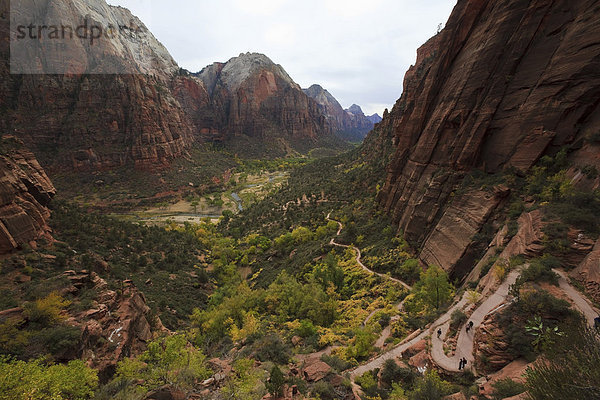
358	50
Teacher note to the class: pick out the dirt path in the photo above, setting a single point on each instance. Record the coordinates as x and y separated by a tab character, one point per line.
394	353
465	342
359	256
443	322
493	304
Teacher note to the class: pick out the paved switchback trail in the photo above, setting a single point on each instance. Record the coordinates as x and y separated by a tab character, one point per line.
465	343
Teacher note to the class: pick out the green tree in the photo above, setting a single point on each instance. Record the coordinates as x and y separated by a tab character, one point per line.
368	383
505	388
245	383
430	387
166	361
302	235
47	311
33	380
571	370
434	287
362	344
397	393
276	382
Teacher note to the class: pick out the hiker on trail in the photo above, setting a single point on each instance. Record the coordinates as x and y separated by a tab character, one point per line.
471	324
460	364
464	363
468	328
439	333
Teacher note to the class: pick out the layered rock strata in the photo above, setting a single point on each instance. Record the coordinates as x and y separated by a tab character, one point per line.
25	193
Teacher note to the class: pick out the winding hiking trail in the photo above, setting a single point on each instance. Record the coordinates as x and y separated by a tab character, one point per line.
581	303
359	256
465	342
464	348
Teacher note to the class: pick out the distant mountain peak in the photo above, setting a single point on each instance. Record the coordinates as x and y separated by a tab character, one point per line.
350	124
375	118
315	87
237	70
355	109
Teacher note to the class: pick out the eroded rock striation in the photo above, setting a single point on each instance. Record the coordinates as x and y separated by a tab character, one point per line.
85	119
503	84
119	325
25	193
588	273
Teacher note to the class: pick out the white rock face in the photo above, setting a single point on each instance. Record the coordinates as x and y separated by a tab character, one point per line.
148	53
124	45
238	69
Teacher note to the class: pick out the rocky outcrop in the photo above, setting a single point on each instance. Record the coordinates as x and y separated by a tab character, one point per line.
84	119
492	349
315	371
25	193
350	124
119	325
529	238
588	273
514	371
528	241
500	86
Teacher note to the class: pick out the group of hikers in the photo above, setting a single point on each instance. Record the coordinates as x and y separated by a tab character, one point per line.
470	325
462	364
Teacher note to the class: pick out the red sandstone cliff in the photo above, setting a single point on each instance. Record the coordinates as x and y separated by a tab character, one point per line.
119	325
89	121
25	192
251	97
503	84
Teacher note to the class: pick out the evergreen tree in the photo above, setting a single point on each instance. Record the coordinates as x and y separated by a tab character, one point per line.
276	382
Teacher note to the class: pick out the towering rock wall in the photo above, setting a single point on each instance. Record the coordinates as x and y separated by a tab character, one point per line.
501	85
25	192
88	120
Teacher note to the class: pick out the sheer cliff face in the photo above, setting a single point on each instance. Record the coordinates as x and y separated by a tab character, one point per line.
97	121
25	192
501	85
